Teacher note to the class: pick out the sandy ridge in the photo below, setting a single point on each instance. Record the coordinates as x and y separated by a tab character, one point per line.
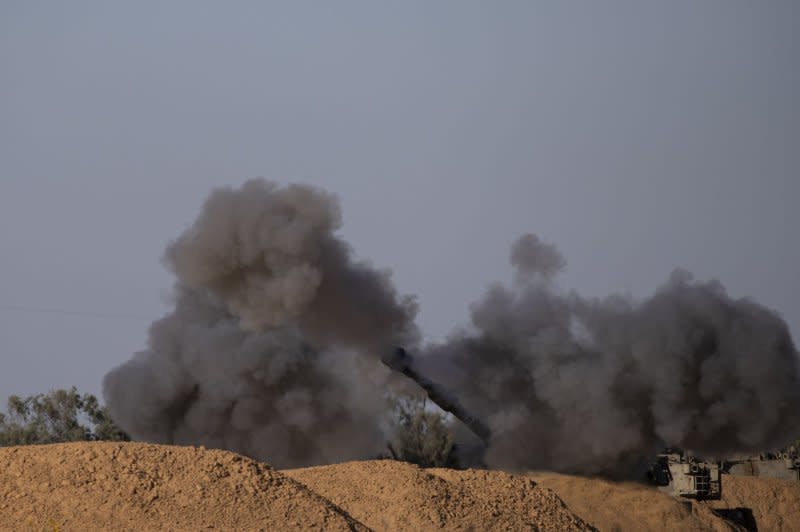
136	486
389	495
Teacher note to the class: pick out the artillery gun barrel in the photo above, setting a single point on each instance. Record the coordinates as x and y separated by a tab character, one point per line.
402	362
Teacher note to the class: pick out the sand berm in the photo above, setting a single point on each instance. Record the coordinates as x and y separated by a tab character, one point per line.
136	486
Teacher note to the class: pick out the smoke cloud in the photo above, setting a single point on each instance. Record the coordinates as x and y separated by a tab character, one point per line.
273	349
598	386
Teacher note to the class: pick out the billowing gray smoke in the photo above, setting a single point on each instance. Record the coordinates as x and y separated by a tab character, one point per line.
598	386
273	350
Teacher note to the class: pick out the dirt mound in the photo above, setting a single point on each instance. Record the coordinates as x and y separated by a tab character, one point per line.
127	486
132	486
775	504
388	495
630	506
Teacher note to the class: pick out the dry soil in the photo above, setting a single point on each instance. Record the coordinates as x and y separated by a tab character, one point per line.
389	495
134	486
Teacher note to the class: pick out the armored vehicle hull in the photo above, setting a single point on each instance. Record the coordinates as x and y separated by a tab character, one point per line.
778	466
684	476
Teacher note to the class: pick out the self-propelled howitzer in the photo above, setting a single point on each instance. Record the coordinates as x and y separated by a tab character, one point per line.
402	362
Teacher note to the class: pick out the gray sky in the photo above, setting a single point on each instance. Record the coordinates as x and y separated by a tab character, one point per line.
636	136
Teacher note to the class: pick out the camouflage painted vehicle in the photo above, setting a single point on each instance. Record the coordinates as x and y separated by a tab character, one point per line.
682	475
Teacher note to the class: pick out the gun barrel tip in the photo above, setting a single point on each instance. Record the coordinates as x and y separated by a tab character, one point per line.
396	359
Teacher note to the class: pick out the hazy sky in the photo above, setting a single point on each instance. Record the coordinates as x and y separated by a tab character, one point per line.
636	136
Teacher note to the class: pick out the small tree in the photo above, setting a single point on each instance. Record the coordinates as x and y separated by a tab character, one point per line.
58	416
423	436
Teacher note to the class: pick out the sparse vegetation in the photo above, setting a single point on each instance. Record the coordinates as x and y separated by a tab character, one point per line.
423	435
58	416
